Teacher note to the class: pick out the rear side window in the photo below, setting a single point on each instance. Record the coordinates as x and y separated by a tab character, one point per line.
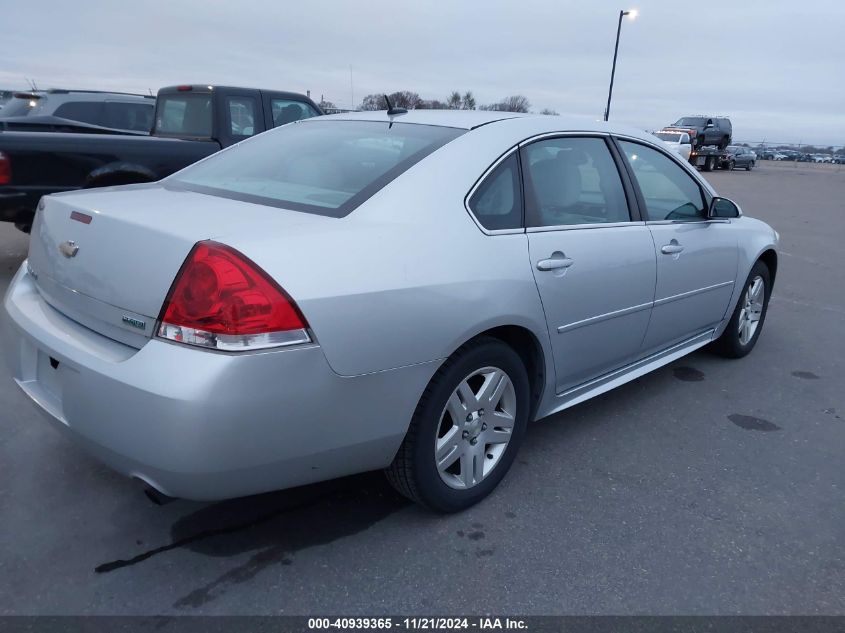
129	116
83	111
497	203
322	167
670	193
184	114
572	181
287	111
241	115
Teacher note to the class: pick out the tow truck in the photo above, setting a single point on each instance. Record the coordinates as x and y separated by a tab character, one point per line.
708	157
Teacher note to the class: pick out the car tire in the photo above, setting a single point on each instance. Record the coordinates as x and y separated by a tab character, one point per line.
461	480
749	166
710	163
724	142
747	320
731	165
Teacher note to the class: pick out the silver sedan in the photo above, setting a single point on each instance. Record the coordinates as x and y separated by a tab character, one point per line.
366	291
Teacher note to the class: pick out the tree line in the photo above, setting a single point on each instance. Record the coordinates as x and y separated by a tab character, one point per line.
455	101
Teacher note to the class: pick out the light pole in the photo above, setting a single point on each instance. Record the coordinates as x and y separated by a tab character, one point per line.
632	13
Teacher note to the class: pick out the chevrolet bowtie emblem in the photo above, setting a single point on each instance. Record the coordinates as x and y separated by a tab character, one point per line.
68	249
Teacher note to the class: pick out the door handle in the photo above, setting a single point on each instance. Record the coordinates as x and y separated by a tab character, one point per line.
555	263
671	248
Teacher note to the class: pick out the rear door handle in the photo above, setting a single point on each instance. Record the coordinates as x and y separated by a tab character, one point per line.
671	248
555	262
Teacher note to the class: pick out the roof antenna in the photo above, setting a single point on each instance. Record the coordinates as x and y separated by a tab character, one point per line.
391	111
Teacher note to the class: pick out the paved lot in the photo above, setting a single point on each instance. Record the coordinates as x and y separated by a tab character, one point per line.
710	486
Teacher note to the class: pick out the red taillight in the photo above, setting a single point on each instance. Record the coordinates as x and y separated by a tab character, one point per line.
184	88
222	300
5	169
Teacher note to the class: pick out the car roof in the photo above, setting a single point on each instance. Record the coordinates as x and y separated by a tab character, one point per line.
471	119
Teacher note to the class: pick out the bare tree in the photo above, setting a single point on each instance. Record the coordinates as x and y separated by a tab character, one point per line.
468	101
432	104
454	101
549	111
515	103
373	102
404	99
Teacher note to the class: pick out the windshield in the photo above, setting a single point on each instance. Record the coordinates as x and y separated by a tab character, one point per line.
672	137
184	114
694	121
21	106
318	166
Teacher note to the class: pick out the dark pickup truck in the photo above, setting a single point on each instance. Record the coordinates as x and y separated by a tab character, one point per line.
191	122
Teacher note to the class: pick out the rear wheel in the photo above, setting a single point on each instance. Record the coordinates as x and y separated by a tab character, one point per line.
710	163
724	142
749	166
466	430
746	323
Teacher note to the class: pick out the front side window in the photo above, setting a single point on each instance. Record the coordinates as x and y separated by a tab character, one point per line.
572	181
323	167
241	115
184	114
497	203
670	193
288	111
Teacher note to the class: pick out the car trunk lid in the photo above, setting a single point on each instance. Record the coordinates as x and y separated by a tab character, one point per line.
107	258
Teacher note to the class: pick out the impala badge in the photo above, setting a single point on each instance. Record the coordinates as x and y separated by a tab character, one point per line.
68	249
136	323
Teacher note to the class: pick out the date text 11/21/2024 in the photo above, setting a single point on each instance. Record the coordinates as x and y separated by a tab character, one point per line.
420	623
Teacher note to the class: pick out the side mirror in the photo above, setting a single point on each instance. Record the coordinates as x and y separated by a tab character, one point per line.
722	208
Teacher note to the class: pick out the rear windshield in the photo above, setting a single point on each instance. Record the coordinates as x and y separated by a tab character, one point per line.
20	106
691	120
672	137
184	114
317	166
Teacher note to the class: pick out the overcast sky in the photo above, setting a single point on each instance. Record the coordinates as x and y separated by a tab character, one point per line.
776	67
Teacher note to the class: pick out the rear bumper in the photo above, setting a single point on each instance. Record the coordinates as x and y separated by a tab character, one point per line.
205	425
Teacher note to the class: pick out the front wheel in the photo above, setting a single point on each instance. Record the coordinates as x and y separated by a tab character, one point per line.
466	429
731	165
746	323
749	166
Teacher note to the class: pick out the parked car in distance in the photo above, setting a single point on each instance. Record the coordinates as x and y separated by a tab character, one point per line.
676	141
78	111
705	130
839	159
739	156
190	123
366	291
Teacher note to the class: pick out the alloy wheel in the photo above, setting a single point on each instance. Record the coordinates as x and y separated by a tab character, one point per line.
475	428
752	309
